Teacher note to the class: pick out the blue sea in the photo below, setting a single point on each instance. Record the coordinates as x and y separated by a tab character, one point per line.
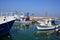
29	32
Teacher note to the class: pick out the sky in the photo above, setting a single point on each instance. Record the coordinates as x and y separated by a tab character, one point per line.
36	7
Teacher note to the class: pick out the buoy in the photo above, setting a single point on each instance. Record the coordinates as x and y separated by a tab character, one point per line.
9	36
58	31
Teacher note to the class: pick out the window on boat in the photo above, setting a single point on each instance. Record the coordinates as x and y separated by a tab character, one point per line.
4	18
53	22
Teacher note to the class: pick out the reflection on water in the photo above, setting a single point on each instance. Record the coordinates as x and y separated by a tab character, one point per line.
44	35
6	37
29	32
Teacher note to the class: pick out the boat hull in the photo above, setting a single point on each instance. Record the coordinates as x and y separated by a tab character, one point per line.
5	27
25	22
48	28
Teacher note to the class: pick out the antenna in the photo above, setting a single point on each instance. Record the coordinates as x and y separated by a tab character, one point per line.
1	13
46	13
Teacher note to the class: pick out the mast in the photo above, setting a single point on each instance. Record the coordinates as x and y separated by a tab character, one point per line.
46	15
1	13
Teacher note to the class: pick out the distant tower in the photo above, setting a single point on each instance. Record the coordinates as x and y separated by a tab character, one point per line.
27	15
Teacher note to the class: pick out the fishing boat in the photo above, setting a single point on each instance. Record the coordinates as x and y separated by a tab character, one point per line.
46	24
6	23
24	19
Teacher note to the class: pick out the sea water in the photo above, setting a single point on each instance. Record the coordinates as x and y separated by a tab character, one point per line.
29	32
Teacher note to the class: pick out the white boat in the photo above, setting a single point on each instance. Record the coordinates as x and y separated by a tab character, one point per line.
6	23
25	20
47	28
46	24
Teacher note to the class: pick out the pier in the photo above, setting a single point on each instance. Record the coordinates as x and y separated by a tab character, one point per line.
36	18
